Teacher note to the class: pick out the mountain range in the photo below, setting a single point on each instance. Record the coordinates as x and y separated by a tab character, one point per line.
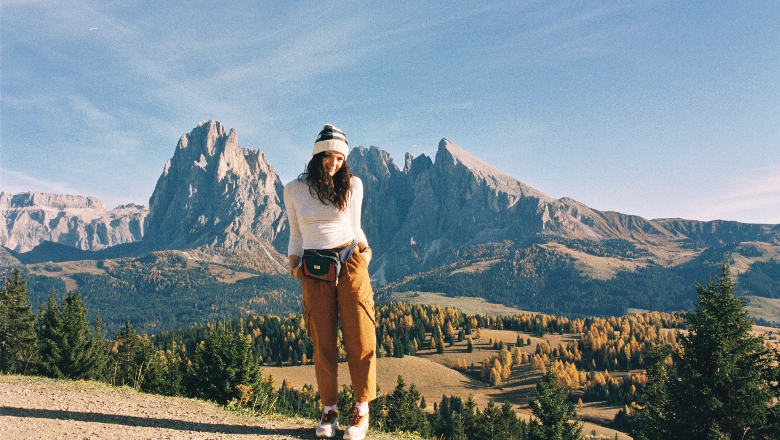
452	224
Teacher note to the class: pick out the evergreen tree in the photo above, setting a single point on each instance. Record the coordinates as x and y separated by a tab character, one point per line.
68	348
509	425
487	423
458	431
441	419
648	423
17	326
468	415
552	411
174	369
223	362
403	411
378	410
135	362
721	382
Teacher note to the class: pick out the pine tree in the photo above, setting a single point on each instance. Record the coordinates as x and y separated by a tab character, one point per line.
68	348
487	422
223	362
721	382
468	415
552	411
135	362
17	326
403	411
509	425
648	422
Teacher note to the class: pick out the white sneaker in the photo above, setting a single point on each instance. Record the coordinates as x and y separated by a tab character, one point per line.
358	425
328	425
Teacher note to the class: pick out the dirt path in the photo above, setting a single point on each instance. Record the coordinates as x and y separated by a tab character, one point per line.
37	408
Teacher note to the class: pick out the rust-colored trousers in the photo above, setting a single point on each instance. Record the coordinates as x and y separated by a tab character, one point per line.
353	300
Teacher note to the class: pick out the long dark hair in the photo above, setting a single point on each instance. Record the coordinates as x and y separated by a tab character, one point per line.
330	190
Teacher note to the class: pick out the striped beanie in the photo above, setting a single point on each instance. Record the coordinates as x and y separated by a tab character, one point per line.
331	139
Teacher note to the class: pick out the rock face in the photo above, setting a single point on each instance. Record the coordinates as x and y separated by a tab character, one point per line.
222	201
424	215
28	219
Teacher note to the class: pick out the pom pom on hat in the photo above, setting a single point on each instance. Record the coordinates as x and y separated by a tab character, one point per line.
331	138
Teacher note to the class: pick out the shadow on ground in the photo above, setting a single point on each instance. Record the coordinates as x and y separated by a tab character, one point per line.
145	422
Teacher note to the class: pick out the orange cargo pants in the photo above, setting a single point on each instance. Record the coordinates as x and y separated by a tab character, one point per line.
353	300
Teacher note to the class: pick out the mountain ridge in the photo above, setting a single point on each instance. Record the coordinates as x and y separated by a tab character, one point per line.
452	223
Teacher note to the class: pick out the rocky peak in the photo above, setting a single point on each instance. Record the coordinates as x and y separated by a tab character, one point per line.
373	163
31	218
450	158
215	193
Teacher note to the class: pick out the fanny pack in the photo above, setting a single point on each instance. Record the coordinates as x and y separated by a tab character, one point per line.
325	265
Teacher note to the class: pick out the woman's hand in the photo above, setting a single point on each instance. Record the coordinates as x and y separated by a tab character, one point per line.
294	266
365	252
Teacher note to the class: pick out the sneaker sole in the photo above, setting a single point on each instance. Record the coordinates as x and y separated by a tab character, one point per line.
347	437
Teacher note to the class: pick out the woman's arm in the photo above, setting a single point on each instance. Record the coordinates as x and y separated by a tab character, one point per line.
295	245
356	206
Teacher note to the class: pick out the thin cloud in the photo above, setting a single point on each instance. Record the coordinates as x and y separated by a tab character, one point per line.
760	195
15	182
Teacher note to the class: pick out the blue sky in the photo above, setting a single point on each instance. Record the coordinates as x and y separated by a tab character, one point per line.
654	108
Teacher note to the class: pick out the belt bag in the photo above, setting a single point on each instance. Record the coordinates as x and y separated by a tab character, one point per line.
325	265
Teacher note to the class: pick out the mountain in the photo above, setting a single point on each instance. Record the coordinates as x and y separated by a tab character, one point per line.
221	201
451	224
82	222
431	213
460	226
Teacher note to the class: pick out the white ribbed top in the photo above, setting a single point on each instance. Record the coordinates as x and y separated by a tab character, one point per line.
315	225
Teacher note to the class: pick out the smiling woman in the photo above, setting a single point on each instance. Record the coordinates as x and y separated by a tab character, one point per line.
324	208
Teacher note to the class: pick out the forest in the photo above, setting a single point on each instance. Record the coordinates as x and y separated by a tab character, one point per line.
536	278
637	361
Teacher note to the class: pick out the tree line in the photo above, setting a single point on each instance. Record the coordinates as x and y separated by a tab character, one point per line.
223	367
716	380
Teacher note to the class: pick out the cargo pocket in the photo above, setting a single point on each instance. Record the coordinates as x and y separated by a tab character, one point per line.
367	304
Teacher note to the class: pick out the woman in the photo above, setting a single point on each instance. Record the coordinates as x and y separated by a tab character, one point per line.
323	207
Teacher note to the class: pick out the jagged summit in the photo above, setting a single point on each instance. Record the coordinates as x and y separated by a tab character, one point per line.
218	195
450	155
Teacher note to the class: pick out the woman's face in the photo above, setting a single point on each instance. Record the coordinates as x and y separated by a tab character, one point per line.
332	162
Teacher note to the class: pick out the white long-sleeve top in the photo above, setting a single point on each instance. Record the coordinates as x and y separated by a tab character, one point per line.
315	225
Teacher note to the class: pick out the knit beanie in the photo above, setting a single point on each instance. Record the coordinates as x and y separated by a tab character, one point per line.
331	138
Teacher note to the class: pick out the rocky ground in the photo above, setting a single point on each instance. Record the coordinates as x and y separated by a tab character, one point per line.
37	408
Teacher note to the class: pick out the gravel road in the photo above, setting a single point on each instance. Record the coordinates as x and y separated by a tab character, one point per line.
37	408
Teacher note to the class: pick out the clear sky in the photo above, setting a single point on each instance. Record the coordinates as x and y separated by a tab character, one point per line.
654	108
